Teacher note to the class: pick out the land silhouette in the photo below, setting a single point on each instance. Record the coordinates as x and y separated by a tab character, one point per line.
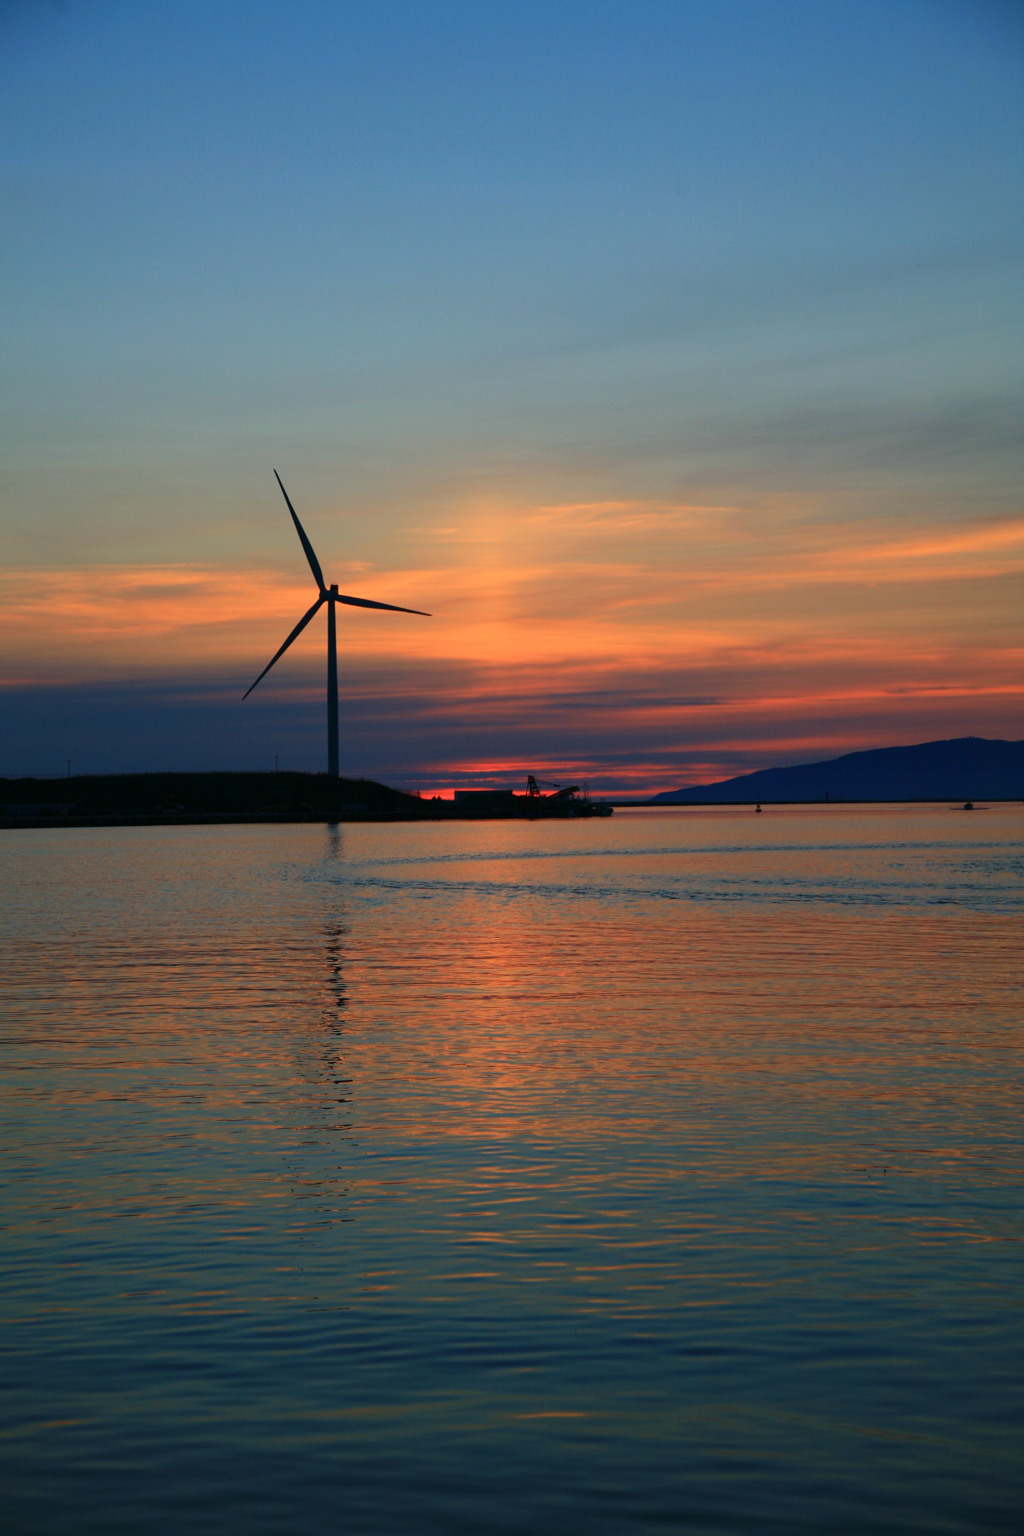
965	768
968	768
161	799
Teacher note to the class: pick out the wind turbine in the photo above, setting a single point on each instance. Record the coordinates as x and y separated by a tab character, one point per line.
331	596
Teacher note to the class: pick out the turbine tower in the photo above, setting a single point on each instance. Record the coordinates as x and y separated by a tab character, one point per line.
331	596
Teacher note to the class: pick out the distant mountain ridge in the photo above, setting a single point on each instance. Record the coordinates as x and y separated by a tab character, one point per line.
966	768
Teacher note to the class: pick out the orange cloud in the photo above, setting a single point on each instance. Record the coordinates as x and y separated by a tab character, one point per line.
634	619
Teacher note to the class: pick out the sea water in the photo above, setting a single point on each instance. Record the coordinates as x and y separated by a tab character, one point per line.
655	1174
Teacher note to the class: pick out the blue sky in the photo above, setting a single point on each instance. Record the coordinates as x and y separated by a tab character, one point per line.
450	265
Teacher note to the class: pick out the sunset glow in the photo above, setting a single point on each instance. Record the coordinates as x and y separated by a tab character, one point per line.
693	477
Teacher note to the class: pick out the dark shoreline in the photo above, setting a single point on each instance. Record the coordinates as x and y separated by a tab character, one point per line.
717	805
217	799
236	799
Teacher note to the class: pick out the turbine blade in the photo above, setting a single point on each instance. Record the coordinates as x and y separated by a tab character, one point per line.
300	626
314	563
366	602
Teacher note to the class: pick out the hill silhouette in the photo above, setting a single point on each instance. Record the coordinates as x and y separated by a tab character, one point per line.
966	768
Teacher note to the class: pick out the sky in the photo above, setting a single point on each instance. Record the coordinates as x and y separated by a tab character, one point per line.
668	352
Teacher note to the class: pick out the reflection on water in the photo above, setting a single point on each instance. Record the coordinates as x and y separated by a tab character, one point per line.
658	1173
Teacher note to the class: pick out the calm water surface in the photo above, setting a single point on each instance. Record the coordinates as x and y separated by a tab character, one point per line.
653	1175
